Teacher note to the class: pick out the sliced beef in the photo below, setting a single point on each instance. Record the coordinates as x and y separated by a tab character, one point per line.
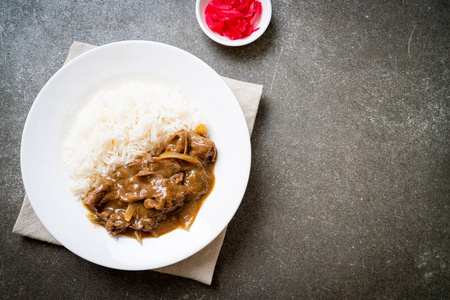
178	142
151	190
202	147
96	196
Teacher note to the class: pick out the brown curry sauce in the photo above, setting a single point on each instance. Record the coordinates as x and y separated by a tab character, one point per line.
154	195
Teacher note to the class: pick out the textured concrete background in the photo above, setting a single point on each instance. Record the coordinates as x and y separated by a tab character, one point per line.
350	183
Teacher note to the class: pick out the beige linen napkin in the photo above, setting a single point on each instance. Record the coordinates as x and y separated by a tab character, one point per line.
199	266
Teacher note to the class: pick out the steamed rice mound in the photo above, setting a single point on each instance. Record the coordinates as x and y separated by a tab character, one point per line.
120	124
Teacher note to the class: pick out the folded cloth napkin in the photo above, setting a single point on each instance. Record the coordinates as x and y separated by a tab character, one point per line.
199	266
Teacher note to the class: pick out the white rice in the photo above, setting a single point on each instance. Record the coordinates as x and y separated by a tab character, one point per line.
118	125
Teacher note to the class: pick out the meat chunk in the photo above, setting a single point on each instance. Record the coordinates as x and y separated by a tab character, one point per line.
190	143
115	228
166	167
95	197
145	224
202	148
177	178
177	142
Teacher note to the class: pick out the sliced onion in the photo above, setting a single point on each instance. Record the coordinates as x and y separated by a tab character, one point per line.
124	173
138	235
185	157
130	211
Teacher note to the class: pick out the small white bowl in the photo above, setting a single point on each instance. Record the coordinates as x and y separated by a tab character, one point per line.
263	23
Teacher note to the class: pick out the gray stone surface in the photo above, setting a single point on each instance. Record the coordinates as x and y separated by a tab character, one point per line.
350	183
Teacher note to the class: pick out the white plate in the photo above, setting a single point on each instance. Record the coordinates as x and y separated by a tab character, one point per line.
43	174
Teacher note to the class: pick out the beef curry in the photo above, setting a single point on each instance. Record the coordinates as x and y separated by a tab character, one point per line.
153	195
